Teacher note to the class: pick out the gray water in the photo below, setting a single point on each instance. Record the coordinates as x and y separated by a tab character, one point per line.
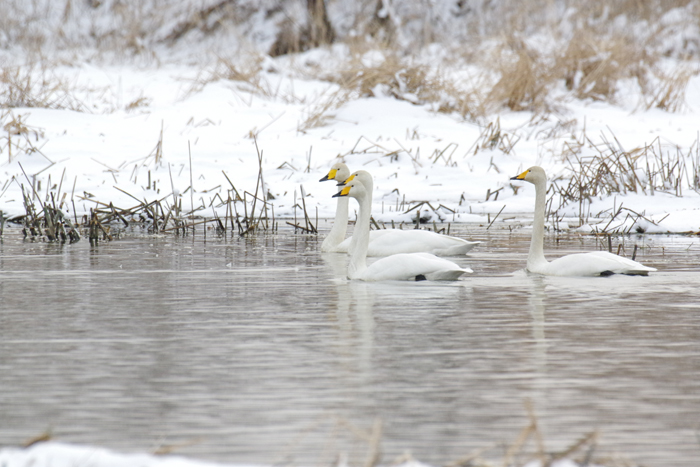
258	350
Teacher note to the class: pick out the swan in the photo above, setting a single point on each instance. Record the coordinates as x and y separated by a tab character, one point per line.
335	237
385	242
399	267
595	263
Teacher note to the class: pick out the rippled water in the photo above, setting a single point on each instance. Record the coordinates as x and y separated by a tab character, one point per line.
259	351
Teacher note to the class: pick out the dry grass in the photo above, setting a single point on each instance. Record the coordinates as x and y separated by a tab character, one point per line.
594	62
346	443
667	91
36	86
593	49
379	71
603	168
493	137
321	111
592	65
390	75
248	72
524	80
16	137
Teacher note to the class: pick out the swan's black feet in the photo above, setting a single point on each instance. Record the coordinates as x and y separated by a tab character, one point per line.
420	277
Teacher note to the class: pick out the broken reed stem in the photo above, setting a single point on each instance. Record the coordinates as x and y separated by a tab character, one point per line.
536	429
494	219
591	438
185	225
41	438
300	227
189	152
374	451
259	180
307	220
238	196
517	445
468	460
36	195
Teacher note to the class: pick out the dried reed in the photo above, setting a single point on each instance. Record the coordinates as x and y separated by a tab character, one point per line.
605	168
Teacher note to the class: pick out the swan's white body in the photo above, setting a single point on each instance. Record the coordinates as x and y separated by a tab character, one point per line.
385	242
399	267
596	263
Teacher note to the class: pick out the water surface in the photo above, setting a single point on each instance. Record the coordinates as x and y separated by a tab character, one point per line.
258	350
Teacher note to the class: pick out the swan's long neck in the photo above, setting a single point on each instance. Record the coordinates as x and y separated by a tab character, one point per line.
340	226
360	238
369	187
536	254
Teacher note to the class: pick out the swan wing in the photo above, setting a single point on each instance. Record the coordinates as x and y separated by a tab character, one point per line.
386	242
343	247
595	263
412	266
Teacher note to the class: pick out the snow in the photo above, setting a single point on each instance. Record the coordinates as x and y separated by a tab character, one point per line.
415	154
56	454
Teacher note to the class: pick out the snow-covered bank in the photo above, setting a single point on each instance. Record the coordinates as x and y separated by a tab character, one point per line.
414	153
55	454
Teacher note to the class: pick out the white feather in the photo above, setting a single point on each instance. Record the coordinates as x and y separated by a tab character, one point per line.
594	263
386	242
405	266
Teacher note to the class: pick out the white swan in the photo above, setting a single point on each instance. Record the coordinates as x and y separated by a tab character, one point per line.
400	267
596	263
385	242
335	237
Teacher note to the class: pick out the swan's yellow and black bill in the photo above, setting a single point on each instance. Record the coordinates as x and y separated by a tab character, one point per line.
349	179
330	176
343	192
521	176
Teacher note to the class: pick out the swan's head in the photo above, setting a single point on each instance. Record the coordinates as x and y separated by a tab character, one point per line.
363	176
339	172
354	188
534	174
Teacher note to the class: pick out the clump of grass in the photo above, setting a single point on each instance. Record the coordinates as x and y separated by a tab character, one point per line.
246	213
17	137
604	168
529	447
667	91
29	86
320	112
47	222
592	65
524	80
387	74
382	72
493	137
3	219
247	71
